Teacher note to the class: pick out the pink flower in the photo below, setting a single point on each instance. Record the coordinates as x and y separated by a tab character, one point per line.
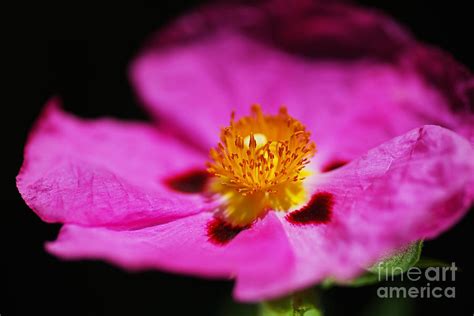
393	163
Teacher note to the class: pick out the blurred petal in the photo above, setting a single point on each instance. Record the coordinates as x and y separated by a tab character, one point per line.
351	75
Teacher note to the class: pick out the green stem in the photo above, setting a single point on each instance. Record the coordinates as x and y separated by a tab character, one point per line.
303	303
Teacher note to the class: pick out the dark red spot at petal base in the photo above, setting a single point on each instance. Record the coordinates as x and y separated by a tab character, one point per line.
193	181
333	165
221	233
317	211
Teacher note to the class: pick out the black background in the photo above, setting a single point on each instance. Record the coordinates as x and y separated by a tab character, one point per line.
81	53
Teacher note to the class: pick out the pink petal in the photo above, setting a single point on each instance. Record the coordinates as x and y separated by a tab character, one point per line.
104	172
335	67
413	187
253	257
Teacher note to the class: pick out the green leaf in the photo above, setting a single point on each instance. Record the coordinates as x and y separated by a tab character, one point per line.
424	263
400	262
367	278
299	304
393	265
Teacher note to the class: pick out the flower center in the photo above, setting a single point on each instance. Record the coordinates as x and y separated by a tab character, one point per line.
259	164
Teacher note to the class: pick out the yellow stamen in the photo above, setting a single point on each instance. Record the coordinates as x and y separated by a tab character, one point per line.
259	165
